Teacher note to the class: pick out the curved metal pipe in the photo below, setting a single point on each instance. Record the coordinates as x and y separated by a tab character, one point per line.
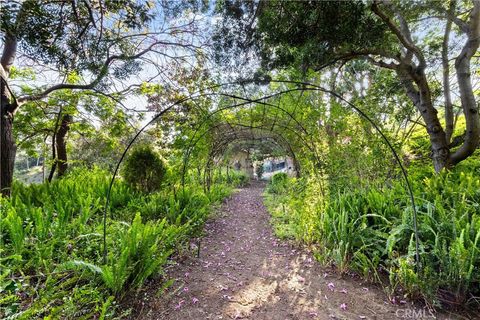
313	87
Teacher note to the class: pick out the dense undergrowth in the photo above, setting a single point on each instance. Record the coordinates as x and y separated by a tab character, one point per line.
51	251
370	230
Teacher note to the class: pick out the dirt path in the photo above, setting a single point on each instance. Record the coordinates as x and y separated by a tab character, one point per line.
245	273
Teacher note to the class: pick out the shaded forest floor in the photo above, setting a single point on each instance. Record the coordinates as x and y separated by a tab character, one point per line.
244	272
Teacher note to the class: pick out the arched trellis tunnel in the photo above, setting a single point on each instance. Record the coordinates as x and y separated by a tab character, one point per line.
237	131
240	135
232	132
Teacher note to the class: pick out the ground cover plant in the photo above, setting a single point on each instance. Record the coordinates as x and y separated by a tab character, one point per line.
52	242
370	230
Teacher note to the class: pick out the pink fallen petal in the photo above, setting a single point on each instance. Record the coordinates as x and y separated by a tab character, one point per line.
185	289
313	314
344	291
331	286
365	289
194	300
343	306
301	279
179	305
187	274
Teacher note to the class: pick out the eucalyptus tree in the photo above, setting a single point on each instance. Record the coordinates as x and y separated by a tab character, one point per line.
394	35
105	42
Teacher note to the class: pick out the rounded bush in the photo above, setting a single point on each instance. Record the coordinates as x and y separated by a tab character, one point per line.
144	169
280	178
278	183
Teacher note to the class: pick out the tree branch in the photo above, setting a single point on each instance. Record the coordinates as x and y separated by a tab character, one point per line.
459	22
103	72
449	121
9	52
467	96
403	37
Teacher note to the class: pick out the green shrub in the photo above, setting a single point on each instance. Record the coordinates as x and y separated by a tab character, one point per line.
233	178
239	178
278	184
144	169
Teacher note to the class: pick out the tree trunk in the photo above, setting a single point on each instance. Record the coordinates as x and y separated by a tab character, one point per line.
8	149
467	97
8	106
61	144
296	166
53	168
54	148
440	150
449	118
422	100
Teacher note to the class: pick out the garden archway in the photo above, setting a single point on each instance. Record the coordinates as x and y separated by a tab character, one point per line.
216	91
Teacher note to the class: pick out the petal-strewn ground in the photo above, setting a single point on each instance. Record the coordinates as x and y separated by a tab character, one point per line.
244	272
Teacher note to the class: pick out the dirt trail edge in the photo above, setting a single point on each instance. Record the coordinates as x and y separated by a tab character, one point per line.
244	272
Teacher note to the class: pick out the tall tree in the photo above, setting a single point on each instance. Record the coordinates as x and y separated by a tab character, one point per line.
100	40
313	34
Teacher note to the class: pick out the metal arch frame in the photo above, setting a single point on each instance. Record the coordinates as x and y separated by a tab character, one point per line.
272	144
305	86
278	135
193	143
395	154
272	140
283	143
246	102
217	151
265	143
219	143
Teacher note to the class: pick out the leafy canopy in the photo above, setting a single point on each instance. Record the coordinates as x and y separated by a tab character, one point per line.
300	33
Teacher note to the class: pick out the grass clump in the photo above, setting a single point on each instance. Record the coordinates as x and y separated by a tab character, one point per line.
370	231
51	262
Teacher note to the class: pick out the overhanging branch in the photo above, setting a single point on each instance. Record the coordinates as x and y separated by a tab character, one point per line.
102	74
